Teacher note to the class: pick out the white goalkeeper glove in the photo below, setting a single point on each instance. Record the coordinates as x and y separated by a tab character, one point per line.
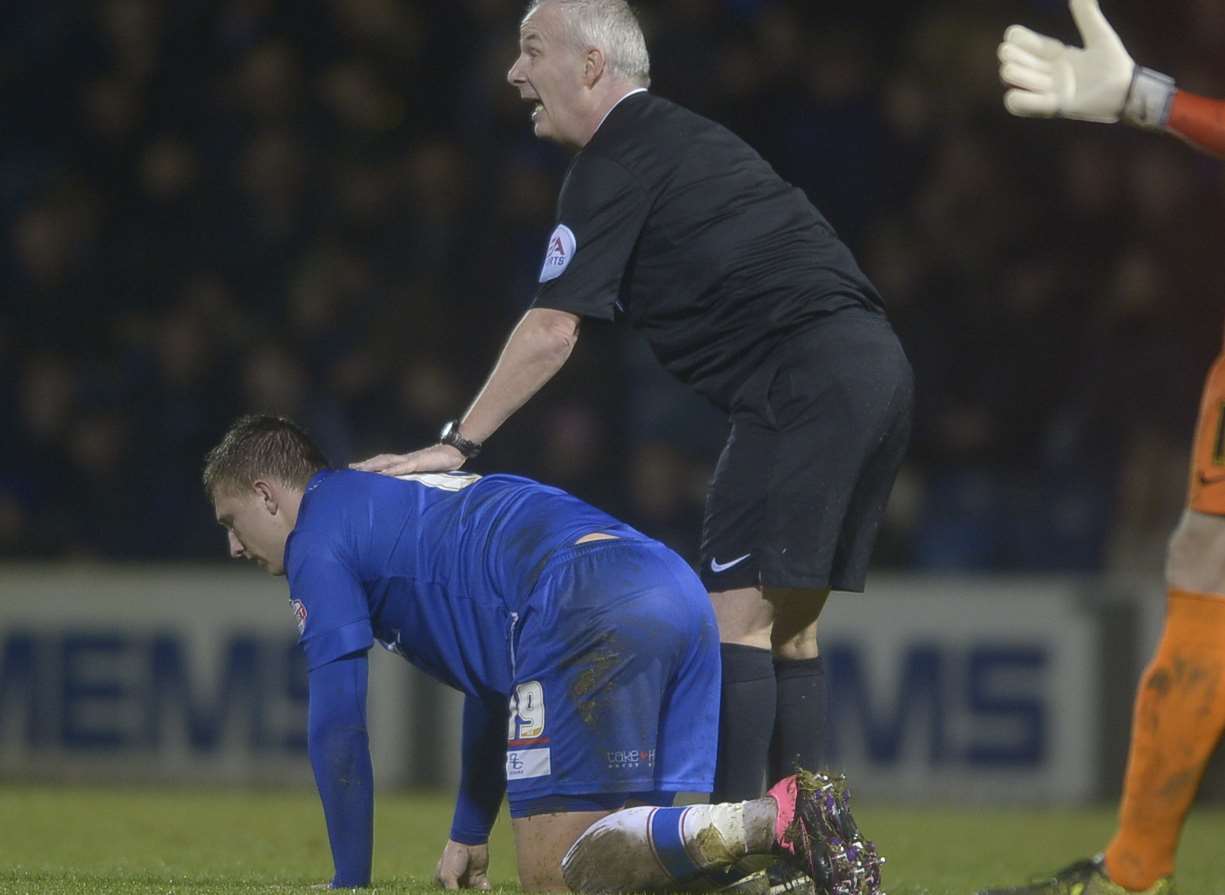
1047	78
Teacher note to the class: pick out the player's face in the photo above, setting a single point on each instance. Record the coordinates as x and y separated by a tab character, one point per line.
254	528
549	74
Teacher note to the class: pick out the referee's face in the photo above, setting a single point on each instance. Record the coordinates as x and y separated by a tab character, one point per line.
549	73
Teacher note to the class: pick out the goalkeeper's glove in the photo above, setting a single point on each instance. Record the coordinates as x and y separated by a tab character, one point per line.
1047	78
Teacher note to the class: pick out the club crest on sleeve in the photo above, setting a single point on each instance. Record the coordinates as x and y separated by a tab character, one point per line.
299	614
561	249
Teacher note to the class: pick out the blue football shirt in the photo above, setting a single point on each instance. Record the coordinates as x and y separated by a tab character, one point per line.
435	567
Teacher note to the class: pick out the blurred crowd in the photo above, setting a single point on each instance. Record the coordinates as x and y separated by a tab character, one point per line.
335	210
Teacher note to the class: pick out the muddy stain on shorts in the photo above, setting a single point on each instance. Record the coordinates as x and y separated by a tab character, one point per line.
592	683
592	680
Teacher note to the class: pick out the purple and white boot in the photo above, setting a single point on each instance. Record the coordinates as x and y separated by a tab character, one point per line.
815	832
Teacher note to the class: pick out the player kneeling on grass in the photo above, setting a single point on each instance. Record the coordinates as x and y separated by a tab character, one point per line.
601	642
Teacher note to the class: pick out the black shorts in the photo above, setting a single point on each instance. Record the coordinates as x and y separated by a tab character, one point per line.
817	436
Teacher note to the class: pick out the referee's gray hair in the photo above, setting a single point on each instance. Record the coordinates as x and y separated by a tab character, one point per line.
610	26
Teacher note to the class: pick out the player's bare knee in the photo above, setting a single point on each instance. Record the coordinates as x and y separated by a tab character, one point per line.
542	841
536	879
1195	560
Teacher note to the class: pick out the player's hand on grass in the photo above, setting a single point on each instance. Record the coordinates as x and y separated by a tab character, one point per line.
1099	82
463	866
436	458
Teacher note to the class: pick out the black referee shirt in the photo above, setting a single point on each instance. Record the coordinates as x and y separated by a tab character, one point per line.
675	222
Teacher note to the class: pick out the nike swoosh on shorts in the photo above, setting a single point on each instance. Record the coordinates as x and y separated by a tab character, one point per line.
716	566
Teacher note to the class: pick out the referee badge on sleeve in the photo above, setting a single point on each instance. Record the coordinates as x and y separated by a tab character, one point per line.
561	250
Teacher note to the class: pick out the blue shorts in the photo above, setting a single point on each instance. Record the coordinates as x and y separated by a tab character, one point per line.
616	677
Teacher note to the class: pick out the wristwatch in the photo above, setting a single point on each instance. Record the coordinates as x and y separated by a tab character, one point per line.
450	435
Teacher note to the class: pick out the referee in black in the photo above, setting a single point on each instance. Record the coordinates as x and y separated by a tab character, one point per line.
744	292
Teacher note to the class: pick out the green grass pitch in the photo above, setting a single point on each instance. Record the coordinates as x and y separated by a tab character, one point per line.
110	842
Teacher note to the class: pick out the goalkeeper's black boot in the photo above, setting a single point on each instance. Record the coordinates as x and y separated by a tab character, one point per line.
1087	877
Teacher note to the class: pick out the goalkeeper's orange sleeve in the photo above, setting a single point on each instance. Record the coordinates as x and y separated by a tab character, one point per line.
1199	120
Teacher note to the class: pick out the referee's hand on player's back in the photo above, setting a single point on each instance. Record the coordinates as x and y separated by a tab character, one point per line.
435	458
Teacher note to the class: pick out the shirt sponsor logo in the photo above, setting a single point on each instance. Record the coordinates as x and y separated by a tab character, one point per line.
561	249
522	764
631	758
299	613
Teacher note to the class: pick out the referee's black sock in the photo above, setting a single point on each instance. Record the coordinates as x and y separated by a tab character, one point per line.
746	718
799	719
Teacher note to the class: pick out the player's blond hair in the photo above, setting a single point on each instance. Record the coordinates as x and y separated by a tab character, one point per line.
261	446
609	26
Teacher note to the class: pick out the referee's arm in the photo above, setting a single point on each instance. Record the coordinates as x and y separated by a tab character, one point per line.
538	347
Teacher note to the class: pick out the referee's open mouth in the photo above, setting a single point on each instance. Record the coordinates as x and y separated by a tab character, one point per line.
537	113
535	105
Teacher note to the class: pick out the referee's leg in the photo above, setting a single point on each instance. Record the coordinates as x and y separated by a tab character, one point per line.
816	440
772	685
800	716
